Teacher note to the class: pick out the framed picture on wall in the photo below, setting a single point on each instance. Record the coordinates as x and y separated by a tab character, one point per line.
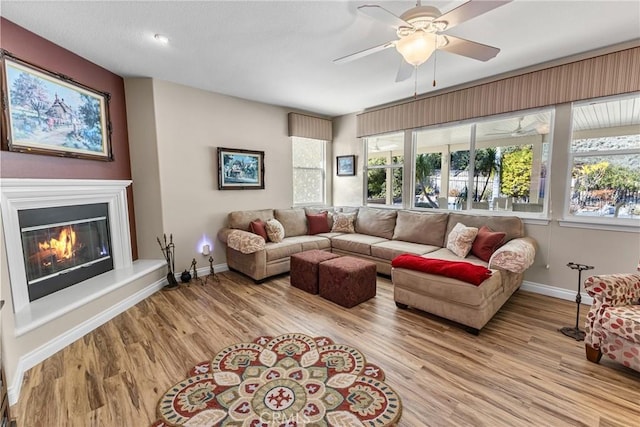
240	169
346	165
49	113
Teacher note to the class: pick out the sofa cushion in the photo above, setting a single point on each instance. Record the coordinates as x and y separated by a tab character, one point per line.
343	223
275	230
460	239
294	221
376	222
446	254
512	226
358	243
242	219
259	227
390	249
311	242
284	249
418	227
486	242
318	223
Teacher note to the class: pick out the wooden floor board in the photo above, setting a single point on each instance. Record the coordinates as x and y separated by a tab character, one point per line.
520	371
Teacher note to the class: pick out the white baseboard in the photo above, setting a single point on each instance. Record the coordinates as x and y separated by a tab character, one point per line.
552	291
56	344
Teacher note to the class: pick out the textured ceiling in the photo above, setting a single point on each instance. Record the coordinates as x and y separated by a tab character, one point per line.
281	52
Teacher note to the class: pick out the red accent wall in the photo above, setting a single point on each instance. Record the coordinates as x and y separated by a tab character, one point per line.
43	53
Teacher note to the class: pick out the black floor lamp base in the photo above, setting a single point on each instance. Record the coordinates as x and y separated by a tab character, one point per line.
574	333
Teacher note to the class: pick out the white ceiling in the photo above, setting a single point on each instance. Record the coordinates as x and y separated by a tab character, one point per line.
281	52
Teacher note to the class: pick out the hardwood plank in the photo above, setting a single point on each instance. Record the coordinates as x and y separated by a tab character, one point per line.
519	371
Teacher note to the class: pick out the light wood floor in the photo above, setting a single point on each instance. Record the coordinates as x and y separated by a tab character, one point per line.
518	371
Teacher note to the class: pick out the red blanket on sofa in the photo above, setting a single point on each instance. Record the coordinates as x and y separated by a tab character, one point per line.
467	272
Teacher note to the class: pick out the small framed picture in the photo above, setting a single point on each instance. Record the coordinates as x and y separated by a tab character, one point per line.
346	165
240	169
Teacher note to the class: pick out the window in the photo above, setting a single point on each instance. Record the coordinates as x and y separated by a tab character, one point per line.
509	168
385	157
605	159
309	179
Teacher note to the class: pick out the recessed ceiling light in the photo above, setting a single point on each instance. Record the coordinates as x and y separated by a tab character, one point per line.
161	39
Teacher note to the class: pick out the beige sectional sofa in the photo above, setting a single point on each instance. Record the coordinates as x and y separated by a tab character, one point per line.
380	236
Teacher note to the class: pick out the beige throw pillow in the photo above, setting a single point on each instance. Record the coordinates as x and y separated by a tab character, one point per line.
275	230
343	223
461	239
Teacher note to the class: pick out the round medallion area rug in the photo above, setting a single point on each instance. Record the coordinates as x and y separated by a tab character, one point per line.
292	380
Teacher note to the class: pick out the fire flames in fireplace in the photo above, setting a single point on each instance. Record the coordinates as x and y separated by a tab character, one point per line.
57	250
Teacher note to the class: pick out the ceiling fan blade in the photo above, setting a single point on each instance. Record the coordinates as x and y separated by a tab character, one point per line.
470	49
363	53
383	15
469	10
405	71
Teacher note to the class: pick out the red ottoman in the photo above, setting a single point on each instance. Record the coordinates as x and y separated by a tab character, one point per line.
347	281
304	269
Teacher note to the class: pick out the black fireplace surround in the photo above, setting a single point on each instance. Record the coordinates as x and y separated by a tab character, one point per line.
63	246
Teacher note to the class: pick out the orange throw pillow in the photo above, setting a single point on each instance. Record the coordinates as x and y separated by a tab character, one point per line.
487	242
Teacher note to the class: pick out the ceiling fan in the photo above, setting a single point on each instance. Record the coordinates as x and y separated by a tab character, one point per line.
419	32
533	128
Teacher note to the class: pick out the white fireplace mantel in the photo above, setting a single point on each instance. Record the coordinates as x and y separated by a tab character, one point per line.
19	194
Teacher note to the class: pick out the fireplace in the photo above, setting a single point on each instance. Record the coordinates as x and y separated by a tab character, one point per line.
67	240
63	246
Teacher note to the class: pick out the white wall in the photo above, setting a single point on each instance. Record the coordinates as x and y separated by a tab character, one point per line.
347	190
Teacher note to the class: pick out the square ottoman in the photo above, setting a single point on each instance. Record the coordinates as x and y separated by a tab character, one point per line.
304	269
347	281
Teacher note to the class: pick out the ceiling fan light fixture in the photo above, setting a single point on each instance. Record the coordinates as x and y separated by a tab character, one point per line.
417	47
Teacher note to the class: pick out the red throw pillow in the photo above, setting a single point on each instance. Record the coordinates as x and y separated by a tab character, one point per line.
318	223
258	227
487	242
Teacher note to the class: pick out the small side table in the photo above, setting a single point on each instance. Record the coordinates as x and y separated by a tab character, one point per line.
575	332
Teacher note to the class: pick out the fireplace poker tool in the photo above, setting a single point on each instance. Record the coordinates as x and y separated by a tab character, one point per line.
575	332
168	251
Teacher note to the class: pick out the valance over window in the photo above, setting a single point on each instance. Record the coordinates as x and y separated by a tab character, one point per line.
305	126
610	74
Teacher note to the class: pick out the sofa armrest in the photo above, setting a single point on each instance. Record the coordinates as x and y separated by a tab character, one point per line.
614	289
223	234
245	242
516	255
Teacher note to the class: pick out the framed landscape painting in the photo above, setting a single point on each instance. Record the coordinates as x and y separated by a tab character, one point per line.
48	113
346	165
240	169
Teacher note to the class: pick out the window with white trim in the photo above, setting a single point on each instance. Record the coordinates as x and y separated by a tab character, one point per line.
604	181
309	174
509	171
383	169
